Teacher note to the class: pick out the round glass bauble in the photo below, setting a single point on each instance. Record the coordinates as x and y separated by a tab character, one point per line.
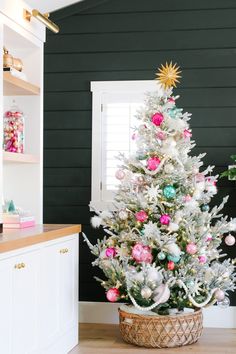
169	192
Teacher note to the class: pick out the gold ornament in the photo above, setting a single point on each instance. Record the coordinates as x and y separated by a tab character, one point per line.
168	75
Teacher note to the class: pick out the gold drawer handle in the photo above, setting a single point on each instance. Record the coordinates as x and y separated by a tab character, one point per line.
64	250
19	265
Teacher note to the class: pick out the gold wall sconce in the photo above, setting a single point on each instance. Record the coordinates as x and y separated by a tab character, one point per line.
44	18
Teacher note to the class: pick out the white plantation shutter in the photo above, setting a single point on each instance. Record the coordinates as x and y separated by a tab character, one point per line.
114	108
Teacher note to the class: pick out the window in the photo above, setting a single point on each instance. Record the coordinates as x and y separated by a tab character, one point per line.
114	107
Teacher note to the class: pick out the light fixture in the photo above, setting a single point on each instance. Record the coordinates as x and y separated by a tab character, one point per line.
44	18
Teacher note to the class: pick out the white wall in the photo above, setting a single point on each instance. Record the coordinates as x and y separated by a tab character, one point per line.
103	312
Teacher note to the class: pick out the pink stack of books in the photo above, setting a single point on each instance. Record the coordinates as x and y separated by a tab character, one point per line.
16	221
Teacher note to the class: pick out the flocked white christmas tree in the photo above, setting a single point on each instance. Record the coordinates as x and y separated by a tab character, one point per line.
162	243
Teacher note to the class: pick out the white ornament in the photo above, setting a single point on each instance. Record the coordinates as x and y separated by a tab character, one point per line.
146	292
123	215
153	275
169	168
173	227
230	240
172	249
161	294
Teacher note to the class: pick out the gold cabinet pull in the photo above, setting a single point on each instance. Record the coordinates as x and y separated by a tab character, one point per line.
64	250
19	265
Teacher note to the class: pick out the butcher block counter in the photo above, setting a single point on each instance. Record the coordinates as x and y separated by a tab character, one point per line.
12	239
39	289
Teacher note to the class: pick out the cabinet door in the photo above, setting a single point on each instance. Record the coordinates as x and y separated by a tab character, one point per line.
68	296
25	290
49	325
5	306
58	290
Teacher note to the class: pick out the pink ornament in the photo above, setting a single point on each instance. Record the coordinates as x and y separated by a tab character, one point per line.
113	294
187	198
191	248
187	134
199	177
141	216
171	265
134	136
110	252
120	174
141	253
171	99
230	240
202	259
219	295
153	163
165	219
157	119
161	135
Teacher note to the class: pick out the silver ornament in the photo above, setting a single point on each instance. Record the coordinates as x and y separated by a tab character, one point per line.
146	292
169	168
123	215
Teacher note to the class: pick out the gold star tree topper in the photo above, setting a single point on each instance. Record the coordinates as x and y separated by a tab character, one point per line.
168	75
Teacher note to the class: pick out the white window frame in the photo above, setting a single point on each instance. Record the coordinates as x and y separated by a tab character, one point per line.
98	89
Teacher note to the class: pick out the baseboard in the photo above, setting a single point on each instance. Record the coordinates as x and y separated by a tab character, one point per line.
104	312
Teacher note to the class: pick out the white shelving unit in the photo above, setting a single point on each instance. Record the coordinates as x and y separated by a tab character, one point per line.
21	175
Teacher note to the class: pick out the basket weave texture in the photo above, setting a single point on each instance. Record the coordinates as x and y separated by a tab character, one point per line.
161	331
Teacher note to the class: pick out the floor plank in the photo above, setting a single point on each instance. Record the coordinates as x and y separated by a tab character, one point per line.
105	339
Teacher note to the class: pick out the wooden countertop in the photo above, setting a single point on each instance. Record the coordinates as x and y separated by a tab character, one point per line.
12	239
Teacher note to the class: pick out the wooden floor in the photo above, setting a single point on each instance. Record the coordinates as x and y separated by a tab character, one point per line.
105	339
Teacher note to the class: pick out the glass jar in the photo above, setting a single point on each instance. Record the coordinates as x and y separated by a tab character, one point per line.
13	128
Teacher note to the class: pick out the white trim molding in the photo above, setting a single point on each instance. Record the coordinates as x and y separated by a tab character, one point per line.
104	312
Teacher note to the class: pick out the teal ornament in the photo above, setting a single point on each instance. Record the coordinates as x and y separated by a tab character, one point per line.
175	112
142	232
205	207
174	259
161	256
169	192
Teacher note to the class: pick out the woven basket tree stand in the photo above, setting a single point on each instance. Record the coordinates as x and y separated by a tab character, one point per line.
161	331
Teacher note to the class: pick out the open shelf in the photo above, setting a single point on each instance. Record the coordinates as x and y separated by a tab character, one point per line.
13	86
19	158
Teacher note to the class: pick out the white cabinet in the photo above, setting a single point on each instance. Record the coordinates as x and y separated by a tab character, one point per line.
39	298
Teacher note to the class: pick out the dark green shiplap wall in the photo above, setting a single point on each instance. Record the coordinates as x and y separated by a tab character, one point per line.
128	40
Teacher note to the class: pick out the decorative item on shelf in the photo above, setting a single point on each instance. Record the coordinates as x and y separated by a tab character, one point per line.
10	62
13	130
7	59
16	218
168	257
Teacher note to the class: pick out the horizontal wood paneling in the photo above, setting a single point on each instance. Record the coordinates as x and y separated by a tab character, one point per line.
128	40
192	58
154	21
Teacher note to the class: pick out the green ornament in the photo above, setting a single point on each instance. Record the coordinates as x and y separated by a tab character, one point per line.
169	192
142	232
174	259
161	256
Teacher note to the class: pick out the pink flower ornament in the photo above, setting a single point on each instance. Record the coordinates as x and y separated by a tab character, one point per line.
141	216
141	253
